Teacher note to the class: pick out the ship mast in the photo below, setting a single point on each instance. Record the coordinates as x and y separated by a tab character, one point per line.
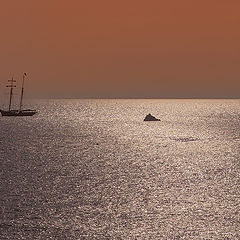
11	85
20	107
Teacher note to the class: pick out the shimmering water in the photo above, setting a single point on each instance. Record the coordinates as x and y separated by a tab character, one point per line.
92	169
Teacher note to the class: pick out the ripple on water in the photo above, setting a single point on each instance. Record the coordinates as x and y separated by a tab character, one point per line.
92	169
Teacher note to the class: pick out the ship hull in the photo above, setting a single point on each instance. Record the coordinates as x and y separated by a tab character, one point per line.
17	113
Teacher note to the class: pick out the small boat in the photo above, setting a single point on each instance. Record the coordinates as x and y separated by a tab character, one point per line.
20	111
27	112
150	117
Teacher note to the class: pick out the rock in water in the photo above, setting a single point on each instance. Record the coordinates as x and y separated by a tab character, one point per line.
150	117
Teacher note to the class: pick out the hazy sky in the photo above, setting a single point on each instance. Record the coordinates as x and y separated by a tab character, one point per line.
127	48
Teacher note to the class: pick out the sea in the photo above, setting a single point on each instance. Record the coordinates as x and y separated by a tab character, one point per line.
93	169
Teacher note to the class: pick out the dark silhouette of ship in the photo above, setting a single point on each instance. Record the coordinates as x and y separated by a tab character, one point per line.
20	111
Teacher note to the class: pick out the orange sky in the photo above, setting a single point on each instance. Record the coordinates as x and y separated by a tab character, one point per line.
127	48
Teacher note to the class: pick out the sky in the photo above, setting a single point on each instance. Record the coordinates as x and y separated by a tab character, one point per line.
122	49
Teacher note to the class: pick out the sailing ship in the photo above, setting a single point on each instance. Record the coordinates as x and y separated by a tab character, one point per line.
20	111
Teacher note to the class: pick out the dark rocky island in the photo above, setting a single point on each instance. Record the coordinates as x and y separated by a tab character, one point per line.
150	117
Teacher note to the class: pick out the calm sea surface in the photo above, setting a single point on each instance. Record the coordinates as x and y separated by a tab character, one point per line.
92	169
